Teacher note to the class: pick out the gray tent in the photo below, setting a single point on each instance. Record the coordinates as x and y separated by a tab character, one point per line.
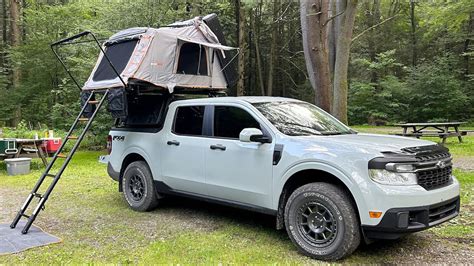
182	55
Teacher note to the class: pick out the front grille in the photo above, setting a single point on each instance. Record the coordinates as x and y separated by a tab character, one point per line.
434	166
431	179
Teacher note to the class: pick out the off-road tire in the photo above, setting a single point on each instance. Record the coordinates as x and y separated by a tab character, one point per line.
141	195
332	200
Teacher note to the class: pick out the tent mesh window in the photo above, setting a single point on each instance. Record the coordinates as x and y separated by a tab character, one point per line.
119	54
192	59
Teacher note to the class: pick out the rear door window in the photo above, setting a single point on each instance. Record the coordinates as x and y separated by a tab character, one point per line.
229	121
189	120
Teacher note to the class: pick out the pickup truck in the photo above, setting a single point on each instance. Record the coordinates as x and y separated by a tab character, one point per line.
328	185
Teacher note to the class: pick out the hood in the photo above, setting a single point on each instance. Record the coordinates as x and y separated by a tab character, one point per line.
364	143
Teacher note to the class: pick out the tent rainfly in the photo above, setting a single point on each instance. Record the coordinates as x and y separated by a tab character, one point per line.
185	55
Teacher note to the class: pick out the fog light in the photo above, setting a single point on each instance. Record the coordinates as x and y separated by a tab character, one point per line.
403	219
375	214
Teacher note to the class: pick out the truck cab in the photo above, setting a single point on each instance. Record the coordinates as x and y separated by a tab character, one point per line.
329	186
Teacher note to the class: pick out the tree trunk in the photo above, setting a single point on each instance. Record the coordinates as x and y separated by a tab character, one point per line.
15	31
271	60
4	22
250	80
334	25
15	40
413	32
256	38
242	51
314	15
4	28
467	42
343	45
374	19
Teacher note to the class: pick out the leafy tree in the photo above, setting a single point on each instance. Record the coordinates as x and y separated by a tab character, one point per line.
381	100
383	87
436	92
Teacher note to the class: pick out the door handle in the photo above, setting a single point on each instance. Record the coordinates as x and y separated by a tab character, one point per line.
173	142
217	147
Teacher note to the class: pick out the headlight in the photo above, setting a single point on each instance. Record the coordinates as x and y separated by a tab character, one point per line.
385	177
400	167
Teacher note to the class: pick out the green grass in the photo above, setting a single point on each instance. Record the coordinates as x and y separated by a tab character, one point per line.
96	226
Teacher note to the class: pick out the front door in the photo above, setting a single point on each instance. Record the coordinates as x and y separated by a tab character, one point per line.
237	171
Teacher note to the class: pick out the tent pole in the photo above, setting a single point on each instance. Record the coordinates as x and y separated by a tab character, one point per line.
108	60
69	41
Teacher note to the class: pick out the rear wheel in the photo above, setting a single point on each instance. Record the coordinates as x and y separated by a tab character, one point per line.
321	221
138	188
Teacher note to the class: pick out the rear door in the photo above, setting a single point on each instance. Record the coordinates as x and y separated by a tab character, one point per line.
183	146
237	171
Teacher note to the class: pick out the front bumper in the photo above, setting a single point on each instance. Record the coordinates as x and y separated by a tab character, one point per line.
400	221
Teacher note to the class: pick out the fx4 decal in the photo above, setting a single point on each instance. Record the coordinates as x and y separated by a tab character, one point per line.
118	138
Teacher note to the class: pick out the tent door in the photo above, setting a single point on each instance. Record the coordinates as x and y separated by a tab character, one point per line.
192	59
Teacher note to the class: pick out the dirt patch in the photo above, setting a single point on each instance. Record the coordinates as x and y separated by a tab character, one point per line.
464	163
421	247
9	204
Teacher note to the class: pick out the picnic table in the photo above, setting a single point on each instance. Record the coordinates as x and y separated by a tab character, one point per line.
29	147
441	130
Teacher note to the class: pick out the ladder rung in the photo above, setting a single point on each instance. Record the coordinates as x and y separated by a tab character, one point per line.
26	216
61	155
72	137
50	175
38	195
83	119
93	102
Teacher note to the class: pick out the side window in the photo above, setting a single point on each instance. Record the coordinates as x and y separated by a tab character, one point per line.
192	59
188	120
229	121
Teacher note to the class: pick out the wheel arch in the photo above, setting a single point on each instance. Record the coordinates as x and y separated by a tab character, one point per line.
128	159
310	173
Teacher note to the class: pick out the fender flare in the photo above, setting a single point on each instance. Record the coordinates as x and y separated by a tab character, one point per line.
351	185
138	151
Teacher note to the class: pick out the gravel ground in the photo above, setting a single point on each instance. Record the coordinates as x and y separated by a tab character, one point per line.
203	217
464	162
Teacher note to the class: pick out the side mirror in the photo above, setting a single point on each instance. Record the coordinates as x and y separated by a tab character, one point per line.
253	135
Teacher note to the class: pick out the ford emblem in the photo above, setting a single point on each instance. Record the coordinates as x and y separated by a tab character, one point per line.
441	164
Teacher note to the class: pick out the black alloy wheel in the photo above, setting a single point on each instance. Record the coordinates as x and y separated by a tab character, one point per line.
322	222
317	224
138	187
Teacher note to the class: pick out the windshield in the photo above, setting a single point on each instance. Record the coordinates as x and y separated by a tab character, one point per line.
301	119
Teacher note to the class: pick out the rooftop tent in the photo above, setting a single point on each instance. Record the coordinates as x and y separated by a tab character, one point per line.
182	55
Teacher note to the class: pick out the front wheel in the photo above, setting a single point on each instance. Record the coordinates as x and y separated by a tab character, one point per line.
321	221
138	188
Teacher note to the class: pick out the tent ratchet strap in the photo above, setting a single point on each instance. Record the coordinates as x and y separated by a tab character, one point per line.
69	41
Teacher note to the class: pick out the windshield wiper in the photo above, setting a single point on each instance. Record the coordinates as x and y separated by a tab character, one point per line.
331	133
336	133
